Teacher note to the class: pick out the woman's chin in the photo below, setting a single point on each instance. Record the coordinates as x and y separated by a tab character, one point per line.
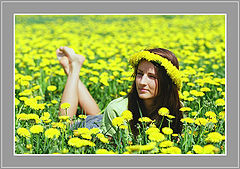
144	96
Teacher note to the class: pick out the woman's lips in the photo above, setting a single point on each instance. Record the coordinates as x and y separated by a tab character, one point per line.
143	90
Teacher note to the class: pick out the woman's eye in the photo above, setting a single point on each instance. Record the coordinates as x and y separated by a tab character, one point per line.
139	74
151	76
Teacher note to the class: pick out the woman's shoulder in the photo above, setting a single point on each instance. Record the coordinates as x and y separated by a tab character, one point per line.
118	105
120	100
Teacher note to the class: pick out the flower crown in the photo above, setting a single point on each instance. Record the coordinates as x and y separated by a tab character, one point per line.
172	70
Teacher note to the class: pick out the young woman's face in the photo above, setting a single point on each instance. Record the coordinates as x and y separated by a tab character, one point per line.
146	81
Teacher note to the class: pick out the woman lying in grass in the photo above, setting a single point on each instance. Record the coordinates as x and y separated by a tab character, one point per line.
156	85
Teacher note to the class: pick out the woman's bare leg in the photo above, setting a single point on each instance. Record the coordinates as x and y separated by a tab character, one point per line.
85	100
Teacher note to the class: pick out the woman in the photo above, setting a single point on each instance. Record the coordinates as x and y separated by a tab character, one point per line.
156	85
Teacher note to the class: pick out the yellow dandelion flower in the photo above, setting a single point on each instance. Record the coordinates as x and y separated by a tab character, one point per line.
167	130
163	111
166	143
23	132
22	116
201	121
145	119
127	115
152	130
81	131
74	141
185	109
123	127
86	136
210	149
46	115
82	116
191	84
51	88
117	121
26	92
190	99
94	130
29	146
36	87
123	93
104	139
63	117
38	98
36	129
205	89
150	146
198	149
210	114
170	116
222	115
58	125
214	137
220	102
94	79
54	101
194	113
196	93
186	93
33	117
81	143
47	121
215	66
16	101
99	135
171	150
174	135
51	133
65	105
188	120
133	148
104	151
213	120
65	151
156	137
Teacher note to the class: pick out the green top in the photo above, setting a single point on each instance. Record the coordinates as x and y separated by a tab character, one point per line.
114	109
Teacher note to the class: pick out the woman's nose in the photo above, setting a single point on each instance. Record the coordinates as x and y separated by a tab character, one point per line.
143	80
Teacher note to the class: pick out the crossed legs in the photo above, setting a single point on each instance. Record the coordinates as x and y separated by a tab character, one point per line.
75	91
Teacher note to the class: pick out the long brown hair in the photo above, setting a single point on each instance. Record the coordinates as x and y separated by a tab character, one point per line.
167	96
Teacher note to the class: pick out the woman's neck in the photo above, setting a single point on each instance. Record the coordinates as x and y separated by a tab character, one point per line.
148	105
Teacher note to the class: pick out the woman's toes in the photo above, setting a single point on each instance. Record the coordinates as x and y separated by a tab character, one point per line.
67	51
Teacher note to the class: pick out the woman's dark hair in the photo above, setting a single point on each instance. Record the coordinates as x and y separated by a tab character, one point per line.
167	96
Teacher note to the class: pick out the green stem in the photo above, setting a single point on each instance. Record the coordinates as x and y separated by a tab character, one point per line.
20	109
161	123
38	140
201	132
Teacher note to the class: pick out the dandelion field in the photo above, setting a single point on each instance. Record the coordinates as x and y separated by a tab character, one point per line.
107	42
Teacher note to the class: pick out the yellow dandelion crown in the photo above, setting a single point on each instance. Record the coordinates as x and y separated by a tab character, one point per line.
172	70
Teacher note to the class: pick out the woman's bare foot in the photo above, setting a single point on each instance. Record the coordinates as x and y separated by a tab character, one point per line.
72	56
64	60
